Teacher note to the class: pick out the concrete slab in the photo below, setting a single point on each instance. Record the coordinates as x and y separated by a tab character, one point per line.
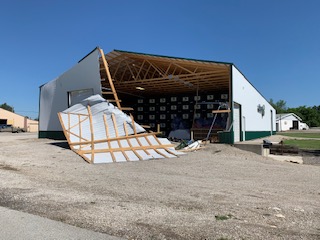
17	225
283	158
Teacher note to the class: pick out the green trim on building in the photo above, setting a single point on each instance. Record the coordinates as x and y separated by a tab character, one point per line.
57	135
226	137
256	134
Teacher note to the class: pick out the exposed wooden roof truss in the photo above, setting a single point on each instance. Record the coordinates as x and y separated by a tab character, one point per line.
158	75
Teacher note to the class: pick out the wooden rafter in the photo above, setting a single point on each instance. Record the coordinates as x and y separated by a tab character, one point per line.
115	73
166	73
131	70
141	67
187	70
115	95
156	68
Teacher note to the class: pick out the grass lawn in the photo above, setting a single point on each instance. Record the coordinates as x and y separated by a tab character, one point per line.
300	134
304	143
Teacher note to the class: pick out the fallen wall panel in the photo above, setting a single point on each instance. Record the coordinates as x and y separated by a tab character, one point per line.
101	133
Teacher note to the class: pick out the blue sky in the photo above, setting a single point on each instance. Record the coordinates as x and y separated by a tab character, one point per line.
275	43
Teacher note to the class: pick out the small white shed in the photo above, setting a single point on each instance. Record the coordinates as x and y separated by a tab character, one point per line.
289	121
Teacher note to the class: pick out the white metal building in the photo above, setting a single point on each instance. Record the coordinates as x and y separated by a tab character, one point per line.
173	93
76	84
289	121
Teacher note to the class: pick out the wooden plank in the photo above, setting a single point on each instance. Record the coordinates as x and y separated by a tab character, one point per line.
80	130
156	68
107	135
187	70
168	150
135	152
76	135
105	63
138	74
166	73
80	121
68	121
92	134
117	136
125	128
81	114
132	75
133	124
115	125
181	76
129	143
115	73
64	130
113	139
221	111
127	108
124	72
147	139
131	148
147	72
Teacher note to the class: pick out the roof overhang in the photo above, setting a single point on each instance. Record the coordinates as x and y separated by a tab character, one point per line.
145	74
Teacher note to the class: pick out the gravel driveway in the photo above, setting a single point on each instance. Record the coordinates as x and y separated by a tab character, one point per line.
219	192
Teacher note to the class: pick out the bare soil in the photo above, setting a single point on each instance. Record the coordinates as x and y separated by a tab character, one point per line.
219	192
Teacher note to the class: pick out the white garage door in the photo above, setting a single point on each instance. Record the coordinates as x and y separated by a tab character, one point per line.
236	122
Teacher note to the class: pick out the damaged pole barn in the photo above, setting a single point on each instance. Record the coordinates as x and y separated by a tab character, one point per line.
181	98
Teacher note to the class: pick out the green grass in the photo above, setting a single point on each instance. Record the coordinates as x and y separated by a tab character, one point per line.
304	143
300	134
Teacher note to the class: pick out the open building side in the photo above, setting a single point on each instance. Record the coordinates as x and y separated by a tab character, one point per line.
173	95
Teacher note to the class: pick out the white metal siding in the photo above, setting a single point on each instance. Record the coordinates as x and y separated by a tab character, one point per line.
54	94
249	99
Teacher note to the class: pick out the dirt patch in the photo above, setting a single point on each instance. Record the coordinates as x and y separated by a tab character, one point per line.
219	192
7	167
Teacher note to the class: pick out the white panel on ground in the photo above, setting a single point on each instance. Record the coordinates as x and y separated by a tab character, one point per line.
164	152
154	153
103	158
101	133
132	156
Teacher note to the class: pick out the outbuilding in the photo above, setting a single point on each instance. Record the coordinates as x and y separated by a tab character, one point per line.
289	121
178	96
12	119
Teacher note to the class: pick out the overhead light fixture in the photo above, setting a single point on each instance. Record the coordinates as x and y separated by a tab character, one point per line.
140	88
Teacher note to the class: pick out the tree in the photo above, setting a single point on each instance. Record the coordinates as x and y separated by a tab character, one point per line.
309	115
7	107
280	106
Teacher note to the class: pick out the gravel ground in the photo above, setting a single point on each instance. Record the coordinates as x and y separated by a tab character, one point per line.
219	192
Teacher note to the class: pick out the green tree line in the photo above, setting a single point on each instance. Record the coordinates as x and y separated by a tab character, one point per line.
7	107
309	115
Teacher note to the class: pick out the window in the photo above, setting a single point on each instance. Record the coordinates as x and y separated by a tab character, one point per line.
77	96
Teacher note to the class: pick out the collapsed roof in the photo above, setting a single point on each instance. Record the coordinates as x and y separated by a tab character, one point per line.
101	133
